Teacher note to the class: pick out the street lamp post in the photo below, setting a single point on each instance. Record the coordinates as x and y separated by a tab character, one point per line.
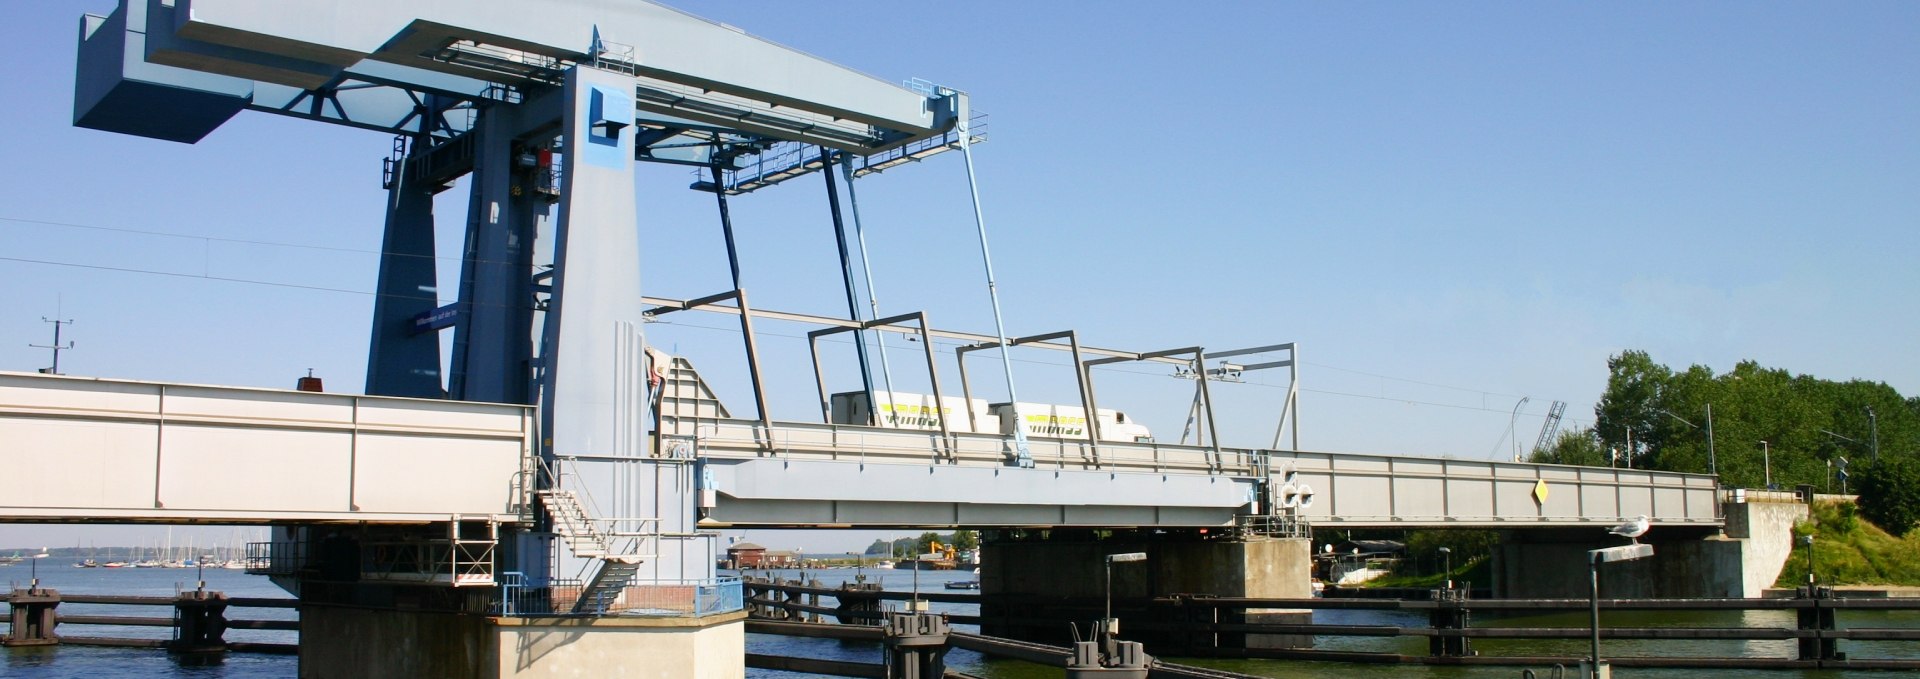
1766	462
1596	557
1812	581
1447	554
1713	464
1107	623
1874	423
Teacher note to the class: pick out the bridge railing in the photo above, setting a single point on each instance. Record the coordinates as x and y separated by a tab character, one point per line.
524	597
744	438
1349	489
1359	489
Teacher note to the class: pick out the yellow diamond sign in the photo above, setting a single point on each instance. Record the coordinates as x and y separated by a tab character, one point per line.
1540	491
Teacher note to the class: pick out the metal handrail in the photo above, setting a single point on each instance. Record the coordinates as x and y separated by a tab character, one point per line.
1117	455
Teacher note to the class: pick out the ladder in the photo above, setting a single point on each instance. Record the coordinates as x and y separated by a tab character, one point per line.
587	539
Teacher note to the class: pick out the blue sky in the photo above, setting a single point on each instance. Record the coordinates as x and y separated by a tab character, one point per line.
1449	206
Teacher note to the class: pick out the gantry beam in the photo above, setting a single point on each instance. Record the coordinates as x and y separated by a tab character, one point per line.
372	63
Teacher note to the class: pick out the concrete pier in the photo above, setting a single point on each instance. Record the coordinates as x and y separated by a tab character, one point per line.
1033	585
1740	563
348	641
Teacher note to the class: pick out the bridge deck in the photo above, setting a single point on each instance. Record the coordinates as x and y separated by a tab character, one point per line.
774	478
80	449
123	451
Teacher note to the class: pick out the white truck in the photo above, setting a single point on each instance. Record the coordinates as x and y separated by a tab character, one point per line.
1040	420
912	411
899	410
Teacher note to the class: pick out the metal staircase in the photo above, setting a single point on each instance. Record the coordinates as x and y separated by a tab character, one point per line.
615	554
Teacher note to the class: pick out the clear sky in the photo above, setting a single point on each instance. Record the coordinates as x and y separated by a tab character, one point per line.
1448	206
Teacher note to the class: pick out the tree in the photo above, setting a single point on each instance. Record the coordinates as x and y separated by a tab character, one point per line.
1808	423
879	547
1578	446
966	540
1626	418
1890	493
924	543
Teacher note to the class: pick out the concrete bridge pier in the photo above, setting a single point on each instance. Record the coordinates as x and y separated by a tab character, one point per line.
1688	562
385	631
1552	564
1035	583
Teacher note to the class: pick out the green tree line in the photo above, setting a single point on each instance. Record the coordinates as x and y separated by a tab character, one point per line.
962	540
1654	417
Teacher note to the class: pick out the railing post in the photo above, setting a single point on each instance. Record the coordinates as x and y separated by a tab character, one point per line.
1449	613
31	612
1817	618
813	599
750	595
787	597
199	623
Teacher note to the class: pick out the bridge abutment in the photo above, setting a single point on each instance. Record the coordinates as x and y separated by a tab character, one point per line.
1034	583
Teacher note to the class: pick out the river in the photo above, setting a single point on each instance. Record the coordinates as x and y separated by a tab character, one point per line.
93	662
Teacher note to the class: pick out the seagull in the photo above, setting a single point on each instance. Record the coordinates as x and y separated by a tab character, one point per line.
1632	529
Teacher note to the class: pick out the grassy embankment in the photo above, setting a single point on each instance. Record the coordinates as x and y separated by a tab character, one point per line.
1477	572
1849	550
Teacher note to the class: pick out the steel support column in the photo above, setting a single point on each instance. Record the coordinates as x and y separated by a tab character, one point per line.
846	276
402	361
493	344
593	378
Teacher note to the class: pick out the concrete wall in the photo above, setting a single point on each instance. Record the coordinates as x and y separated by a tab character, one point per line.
1742	563
350	642
666	648
1767	529
354	642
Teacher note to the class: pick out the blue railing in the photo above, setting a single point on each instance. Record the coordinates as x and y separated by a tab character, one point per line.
524	597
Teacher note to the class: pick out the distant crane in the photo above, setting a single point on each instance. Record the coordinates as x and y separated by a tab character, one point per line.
1551	426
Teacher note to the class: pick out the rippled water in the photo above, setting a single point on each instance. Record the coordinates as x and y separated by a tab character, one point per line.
92	662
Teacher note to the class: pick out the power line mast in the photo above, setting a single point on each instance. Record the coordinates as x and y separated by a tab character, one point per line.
1552	425
56	347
